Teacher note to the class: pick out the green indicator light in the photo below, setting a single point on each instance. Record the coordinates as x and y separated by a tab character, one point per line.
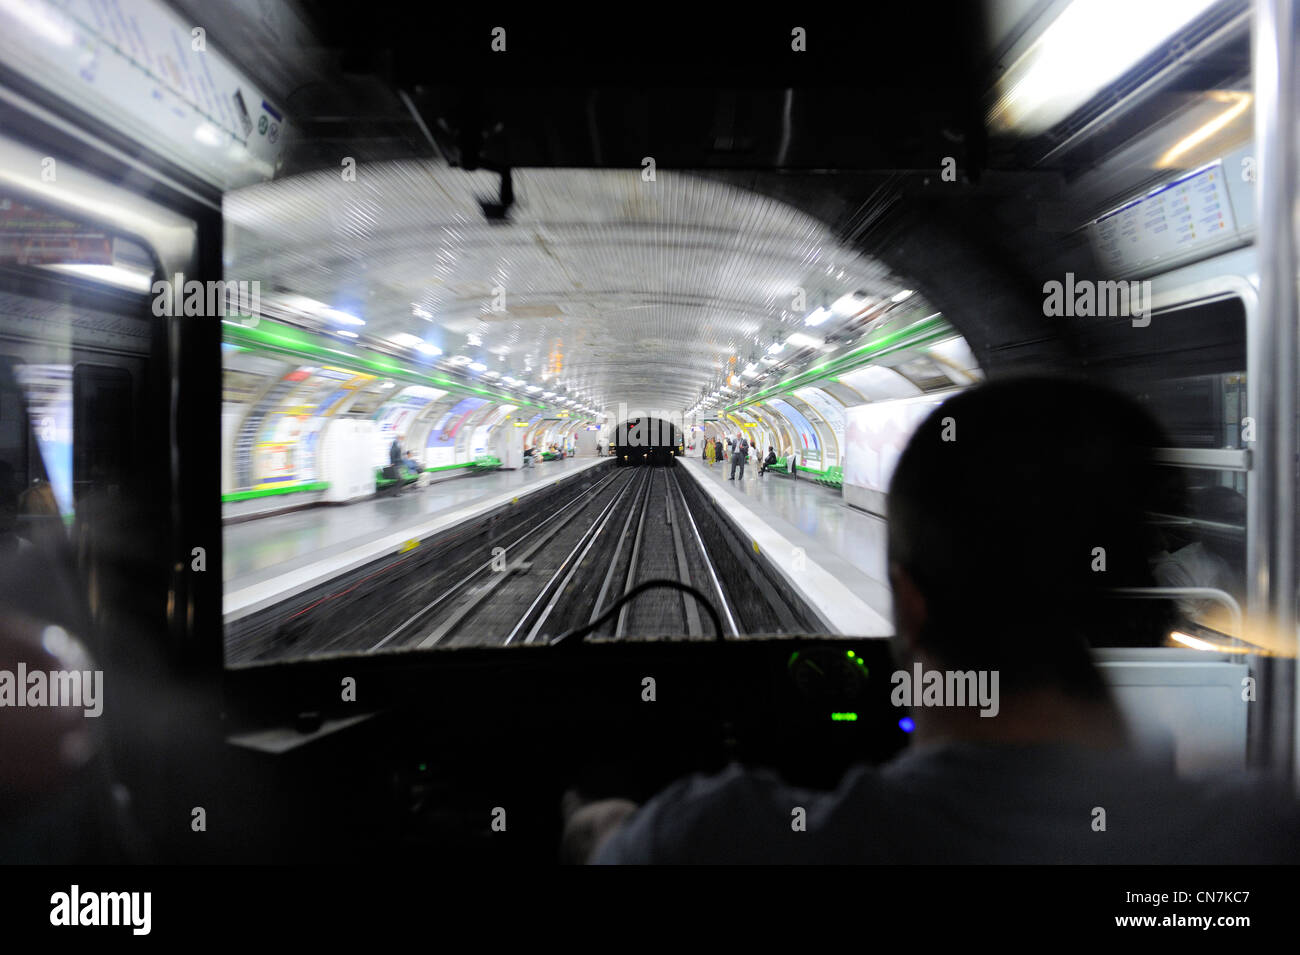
844	717
422	767
852	654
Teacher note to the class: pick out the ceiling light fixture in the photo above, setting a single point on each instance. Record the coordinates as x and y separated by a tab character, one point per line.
1079	54
347	318
1240	103
817	316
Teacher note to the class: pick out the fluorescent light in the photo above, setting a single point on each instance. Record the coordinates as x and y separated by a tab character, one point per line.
1085	49
346	318
817	317
310	306
492	374
406	340
848	304
477	366
751	371
799	340
1188	640
345	332
775	348
133	279
475	340
48	24
534	388
427	349
421	313
1240	103
902	296
460	360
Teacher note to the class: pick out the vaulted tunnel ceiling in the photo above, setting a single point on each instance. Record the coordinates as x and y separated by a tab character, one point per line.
600	285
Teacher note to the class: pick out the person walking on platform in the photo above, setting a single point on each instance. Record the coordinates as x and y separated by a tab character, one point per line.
706	444
739	454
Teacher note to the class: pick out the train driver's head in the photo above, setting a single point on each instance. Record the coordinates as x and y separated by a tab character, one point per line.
1015	509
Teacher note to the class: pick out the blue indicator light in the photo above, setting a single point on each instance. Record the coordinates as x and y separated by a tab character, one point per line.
906	724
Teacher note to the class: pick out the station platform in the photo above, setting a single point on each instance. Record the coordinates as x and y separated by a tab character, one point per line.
831	553
267	559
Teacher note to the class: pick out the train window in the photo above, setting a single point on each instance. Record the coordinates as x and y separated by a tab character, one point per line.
75	341
1200	542
1188	369
104	424
15	443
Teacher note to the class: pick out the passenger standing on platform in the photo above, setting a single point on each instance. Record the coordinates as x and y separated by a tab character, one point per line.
719	451
739	455
992	574
394	470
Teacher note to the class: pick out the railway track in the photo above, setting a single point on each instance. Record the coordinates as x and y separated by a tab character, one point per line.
535	576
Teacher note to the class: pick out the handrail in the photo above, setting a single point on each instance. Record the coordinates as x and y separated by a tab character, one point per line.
1213	459
1210	593
1179	520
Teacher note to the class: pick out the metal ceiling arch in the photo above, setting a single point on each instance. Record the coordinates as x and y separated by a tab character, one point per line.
616	288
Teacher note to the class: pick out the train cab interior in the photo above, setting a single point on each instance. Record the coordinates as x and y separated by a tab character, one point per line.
373	388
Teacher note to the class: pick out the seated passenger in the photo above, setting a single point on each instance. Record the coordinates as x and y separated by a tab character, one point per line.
770	461
994	571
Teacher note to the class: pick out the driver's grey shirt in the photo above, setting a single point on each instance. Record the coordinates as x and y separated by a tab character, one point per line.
968	803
